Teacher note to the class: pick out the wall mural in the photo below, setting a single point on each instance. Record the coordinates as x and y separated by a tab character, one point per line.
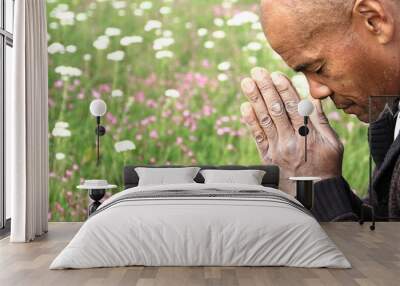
170	74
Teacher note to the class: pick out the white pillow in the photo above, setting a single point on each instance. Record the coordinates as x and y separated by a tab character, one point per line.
166	176
248	177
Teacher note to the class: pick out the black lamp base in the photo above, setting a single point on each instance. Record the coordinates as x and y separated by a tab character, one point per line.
96	195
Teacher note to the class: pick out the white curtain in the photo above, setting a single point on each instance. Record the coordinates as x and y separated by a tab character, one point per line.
27	124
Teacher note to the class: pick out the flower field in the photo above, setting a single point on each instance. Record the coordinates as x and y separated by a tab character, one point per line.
170	74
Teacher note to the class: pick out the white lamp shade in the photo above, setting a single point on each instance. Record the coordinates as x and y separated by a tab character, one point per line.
98	107
305	107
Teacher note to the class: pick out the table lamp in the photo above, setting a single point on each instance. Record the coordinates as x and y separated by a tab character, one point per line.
98	108
305	109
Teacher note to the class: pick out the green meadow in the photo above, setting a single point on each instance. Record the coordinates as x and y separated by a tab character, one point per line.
170	74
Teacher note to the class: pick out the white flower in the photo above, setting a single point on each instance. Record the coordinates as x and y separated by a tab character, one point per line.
243	18
71	49
162	43
222	77
111	31
60	156
252	60
164	54
219	22
117	93
254	46
66	18
172	93
209	44
146	5
125	145
116	56
256	26
119	4
128	40
202	32
61	124
56	48
301	84
101	43
138	12
152	24
167	33
165	10
53	25
87	57
61	130
224	66
188	25
219	34
68	71
81	17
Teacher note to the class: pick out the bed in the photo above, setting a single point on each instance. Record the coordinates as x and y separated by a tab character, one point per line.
201	224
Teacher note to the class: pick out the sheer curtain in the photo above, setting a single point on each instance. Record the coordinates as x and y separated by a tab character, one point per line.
27	124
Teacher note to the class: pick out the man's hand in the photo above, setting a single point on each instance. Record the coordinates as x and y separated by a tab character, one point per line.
272	116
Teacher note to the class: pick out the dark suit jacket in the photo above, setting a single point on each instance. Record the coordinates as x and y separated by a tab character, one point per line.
333	198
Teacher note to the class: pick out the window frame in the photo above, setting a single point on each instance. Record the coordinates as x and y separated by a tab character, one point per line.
6	39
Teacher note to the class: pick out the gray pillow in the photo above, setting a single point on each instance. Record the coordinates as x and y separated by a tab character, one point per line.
248	177
166	176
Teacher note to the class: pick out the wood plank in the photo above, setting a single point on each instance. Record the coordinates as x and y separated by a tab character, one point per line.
375	257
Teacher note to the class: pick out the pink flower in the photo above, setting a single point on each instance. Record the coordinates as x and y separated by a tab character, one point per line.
59	208
201	80
68	173
153	134
111	118
205	63
207	110
104	88
95	93
75	167
139	137
51	102
139	96
151	103
59	83
151	79
152	160
220	131
77	82
81	95
179	140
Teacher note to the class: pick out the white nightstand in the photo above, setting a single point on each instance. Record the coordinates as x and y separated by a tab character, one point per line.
97	191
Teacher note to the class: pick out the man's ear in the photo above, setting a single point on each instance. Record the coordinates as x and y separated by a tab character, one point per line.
377	18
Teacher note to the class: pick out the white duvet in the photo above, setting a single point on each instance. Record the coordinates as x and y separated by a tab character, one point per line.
200	231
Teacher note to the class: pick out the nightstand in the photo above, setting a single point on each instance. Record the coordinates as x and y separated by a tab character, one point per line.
305	190
97	191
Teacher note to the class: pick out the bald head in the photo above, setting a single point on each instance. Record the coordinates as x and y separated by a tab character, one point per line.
348	49
309	18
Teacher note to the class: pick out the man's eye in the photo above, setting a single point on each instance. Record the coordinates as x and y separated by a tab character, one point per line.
320	70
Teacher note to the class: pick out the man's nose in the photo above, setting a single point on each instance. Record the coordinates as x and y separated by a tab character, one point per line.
319	90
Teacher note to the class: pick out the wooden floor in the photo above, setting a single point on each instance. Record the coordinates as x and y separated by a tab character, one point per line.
375	257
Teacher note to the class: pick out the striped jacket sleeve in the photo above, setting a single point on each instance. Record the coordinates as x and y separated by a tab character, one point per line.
335	201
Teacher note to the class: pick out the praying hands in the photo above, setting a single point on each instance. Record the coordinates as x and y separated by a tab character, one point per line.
271	115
